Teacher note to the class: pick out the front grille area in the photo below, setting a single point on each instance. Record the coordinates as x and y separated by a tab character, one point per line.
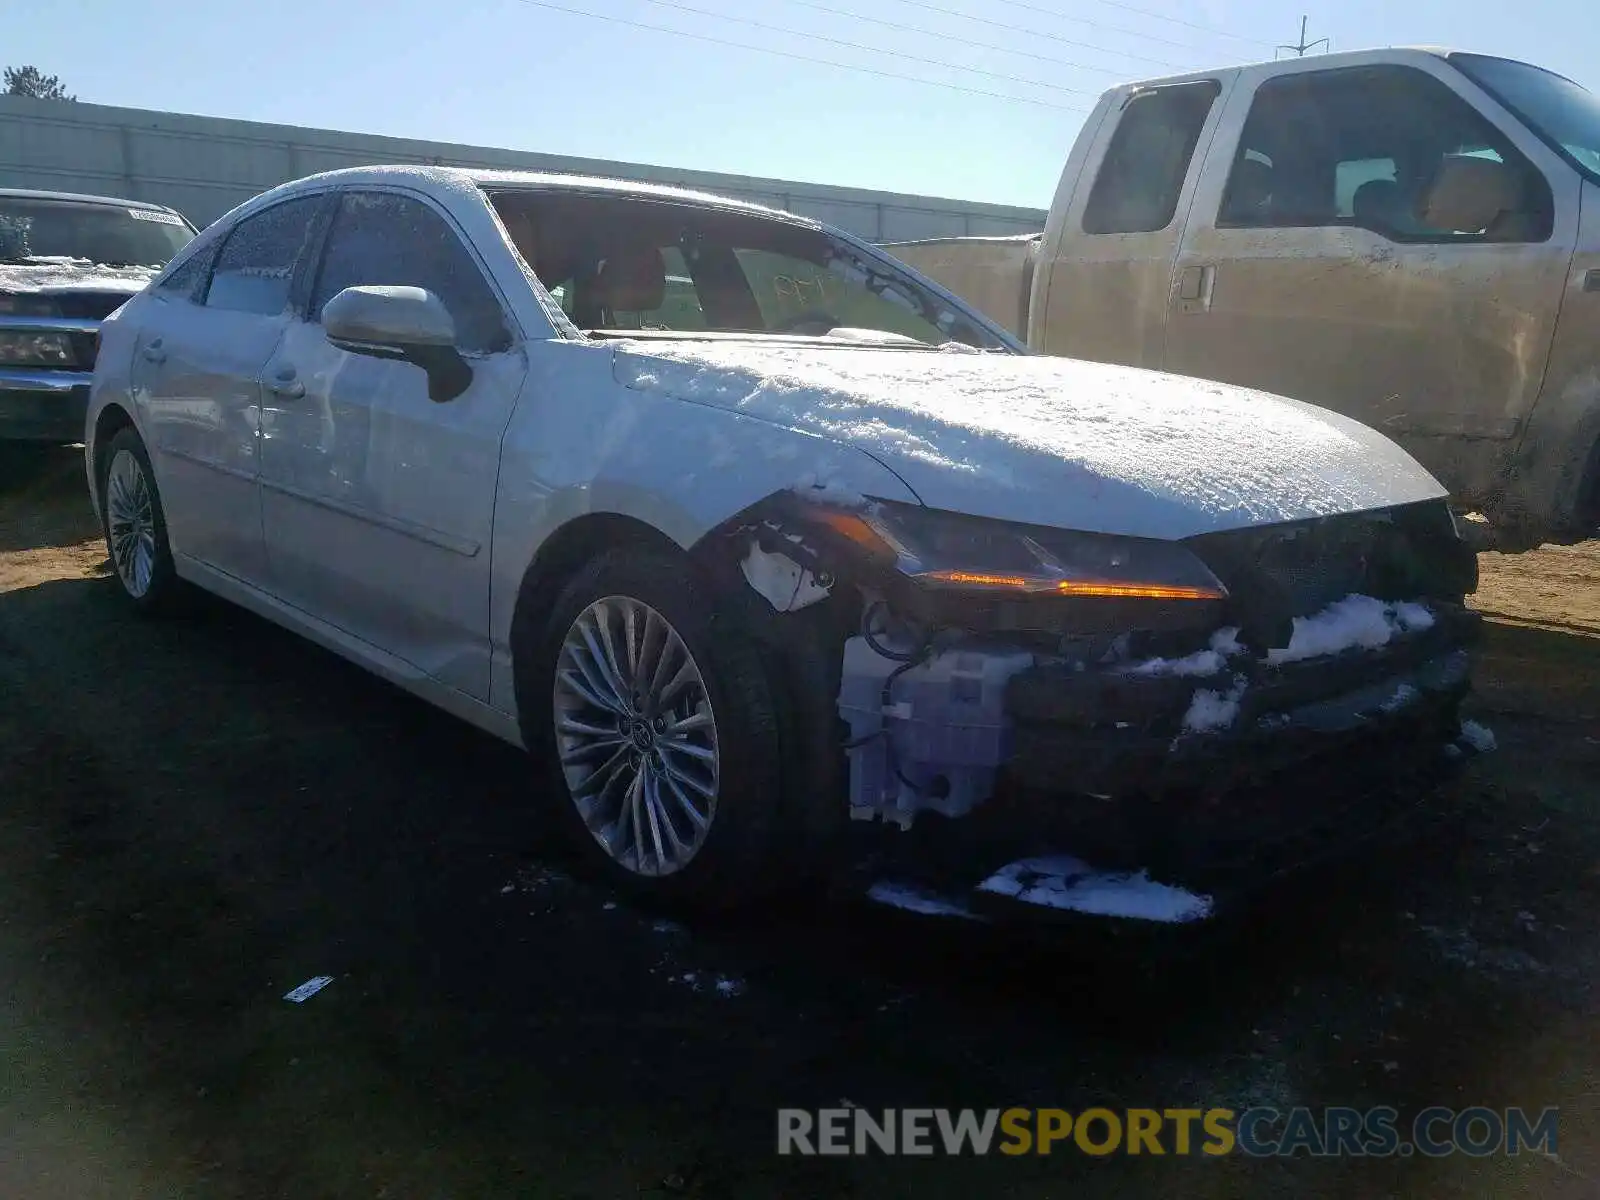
1284	571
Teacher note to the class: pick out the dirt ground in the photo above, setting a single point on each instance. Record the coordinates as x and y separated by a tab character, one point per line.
197	816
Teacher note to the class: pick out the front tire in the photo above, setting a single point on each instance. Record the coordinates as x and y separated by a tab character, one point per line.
135	526
657	723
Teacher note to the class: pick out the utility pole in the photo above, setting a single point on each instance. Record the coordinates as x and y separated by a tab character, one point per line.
1302	45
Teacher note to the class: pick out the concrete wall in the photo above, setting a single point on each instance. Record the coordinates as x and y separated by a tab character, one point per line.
203	166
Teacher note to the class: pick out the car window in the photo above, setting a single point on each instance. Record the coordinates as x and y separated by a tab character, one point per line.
381	238
108	234
1364	146
255	269
790	290
618	263
676	305
186	279
1148	159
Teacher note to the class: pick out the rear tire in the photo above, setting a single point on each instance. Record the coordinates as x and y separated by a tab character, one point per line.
135	527
657	728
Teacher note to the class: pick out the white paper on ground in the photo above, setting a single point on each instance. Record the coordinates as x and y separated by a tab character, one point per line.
308	989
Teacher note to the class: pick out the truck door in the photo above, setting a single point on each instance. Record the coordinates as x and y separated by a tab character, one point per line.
1365	238
1100	289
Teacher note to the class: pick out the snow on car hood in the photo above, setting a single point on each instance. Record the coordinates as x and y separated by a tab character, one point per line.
72	275
1053	441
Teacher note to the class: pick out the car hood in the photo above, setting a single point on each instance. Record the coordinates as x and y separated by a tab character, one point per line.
1052	441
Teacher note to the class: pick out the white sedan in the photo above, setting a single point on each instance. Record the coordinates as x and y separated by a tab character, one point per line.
746	531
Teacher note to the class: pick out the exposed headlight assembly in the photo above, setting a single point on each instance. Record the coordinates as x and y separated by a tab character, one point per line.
944	551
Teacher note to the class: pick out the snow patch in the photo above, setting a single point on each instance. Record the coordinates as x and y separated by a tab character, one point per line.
71	274
1403	695
780	581
918	900
1210	710
1224	644
726	986
1356	621
1064	882
1065	442
1479	737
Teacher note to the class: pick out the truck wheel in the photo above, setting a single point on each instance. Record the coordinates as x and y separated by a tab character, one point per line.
136	527
658	726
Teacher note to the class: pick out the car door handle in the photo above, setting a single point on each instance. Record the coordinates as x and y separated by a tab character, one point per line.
1194	288
154	353
284	383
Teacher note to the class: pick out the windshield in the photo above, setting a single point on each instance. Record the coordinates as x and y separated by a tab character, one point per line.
1558	110
106	234
625	263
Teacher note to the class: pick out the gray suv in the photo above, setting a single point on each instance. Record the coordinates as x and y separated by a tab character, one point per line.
66	262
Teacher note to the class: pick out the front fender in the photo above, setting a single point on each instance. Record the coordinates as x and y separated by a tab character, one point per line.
580	443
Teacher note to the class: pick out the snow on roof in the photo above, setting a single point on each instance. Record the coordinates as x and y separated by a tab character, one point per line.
997	237
477	177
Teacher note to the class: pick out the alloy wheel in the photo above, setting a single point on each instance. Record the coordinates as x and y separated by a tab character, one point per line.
131	523
636	735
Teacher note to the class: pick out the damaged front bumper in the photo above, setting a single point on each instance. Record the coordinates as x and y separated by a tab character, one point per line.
1111	731
1104	804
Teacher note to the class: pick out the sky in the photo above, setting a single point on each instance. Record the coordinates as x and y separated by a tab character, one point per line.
536	75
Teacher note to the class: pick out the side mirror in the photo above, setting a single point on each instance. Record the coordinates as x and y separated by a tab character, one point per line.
406	323
1469	194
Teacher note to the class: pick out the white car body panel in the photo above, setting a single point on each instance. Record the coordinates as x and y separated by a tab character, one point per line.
681	469
371	494
1053	441
397	531
198	386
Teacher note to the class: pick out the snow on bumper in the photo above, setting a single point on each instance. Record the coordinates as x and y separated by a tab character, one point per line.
1112	731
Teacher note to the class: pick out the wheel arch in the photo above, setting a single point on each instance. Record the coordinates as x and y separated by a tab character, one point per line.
111	420
559	556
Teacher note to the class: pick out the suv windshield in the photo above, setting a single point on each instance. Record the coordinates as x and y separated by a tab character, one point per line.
623	263
1558	110
110	235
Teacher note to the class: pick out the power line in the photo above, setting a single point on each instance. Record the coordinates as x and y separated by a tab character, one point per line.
1145	12
1054	37
806	58
833	41
954	37
1050	12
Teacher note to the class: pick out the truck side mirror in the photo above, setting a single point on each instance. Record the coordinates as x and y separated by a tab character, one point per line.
1469	194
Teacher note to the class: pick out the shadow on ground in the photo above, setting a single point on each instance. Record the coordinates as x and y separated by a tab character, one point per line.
202	815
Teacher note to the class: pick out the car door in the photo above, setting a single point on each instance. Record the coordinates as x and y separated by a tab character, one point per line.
197	371
1105	279
1310	267
378	501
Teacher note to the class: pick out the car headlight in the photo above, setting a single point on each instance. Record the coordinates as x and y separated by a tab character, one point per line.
23	349
949	551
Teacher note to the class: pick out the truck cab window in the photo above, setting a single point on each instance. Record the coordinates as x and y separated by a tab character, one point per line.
1148	159
1386	148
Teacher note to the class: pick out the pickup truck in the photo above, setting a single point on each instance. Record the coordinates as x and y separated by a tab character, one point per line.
1408	236
66	262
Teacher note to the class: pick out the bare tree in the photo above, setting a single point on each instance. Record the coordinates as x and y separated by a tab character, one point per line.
30	81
